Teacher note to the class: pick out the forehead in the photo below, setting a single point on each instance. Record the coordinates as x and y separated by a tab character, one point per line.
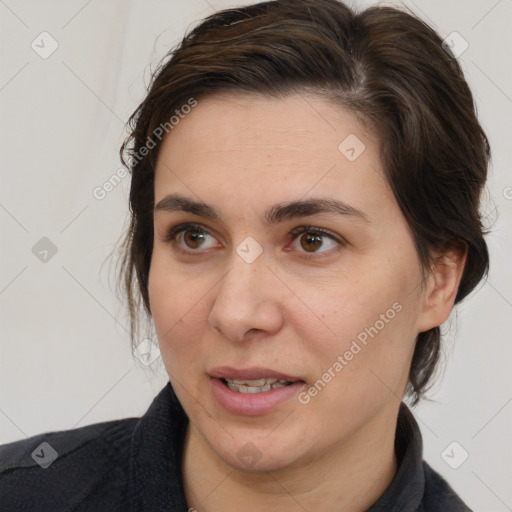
260	148
238	119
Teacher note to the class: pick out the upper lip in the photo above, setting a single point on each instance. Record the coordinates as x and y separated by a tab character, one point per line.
252	373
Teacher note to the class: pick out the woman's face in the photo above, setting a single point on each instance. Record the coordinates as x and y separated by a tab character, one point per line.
249	289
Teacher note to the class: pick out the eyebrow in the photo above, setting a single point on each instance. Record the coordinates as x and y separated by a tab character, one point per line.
274	215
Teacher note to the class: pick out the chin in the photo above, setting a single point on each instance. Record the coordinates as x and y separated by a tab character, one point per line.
249	459
257	453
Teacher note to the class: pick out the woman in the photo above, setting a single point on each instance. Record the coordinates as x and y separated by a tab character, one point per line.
304	197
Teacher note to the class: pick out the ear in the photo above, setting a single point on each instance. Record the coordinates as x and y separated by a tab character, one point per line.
441	288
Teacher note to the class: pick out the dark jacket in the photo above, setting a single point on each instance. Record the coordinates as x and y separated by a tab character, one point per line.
133	464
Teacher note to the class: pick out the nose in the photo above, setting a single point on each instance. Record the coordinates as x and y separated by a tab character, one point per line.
247	301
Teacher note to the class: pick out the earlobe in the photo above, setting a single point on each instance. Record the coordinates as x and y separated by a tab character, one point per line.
441	288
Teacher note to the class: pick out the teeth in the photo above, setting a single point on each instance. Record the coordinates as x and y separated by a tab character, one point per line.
255	383
255	386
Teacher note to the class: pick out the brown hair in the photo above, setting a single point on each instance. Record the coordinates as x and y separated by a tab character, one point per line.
383	64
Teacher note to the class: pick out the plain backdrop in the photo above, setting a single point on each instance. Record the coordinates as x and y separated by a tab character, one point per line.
65	353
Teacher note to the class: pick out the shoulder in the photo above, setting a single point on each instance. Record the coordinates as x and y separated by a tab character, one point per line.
55	470
439	495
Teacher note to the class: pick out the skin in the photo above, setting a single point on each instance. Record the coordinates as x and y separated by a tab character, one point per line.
295	309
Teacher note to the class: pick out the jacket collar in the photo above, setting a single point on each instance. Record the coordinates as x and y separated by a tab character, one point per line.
155	456
405	492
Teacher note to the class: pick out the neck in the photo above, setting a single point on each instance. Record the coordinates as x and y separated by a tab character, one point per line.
349	477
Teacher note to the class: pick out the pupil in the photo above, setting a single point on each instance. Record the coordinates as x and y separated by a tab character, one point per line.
315	241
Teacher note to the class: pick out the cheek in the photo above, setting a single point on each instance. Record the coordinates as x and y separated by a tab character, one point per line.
348	303
364	329
178	312
364	333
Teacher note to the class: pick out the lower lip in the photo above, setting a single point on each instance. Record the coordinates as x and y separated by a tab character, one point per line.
252	404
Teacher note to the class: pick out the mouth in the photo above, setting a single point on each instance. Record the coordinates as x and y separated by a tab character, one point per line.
252	391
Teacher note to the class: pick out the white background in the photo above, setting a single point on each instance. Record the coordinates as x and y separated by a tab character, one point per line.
65	353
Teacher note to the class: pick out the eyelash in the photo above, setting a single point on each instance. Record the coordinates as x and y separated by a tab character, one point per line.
292	235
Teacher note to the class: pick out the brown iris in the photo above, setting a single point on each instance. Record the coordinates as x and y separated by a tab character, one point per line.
311	241
193	238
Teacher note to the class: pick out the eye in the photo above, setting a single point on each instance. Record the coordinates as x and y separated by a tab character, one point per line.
192	236
310	239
